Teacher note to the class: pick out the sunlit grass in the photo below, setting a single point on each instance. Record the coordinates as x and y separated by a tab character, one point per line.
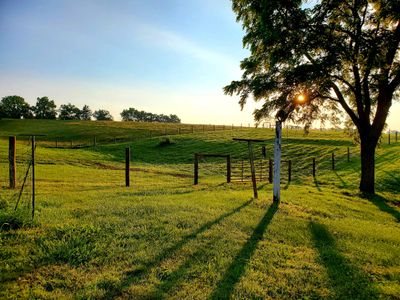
165	238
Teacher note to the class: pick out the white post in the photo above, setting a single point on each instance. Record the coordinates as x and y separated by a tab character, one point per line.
277	161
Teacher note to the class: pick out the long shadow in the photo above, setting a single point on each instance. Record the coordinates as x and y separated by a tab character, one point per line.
381	203
344	183
317	184
132	275
236	270
346	280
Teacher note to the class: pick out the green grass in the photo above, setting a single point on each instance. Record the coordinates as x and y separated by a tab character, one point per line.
165	238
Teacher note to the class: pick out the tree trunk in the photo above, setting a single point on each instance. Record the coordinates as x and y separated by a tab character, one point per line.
367	184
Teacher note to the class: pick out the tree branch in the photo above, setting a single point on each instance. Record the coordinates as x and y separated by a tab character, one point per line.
344	104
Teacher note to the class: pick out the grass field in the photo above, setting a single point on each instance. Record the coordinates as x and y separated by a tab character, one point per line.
163	237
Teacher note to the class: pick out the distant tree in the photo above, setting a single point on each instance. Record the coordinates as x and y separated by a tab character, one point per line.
173	119
102	115
45	108
343	55
133	114
15	107
85	113
69	112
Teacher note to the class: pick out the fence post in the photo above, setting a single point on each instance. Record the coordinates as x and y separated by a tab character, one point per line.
127	165
33	176
396	136
290	171
94	142
242	170
214	127
333	160
389	137
313	167
12	159
228	169
270	171
196	168
348	154
264	152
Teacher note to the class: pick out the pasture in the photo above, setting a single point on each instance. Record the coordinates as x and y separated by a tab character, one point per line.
164	237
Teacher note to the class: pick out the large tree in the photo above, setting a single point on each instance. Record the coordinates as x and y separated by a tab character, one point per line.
85	113
102	115
344	55
69	112
15	107
45	108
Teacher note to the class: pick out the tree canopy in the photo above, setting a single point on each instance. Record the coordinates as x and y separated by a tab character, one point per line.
342	55
45	108
133	114
69	112
102	115
14	107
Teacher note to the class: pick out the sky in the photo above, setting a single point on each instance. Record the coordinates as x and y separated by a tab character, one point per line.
171	57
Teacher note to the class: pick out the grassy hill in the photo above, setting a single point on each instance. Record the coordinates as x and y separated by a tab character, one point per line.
165	238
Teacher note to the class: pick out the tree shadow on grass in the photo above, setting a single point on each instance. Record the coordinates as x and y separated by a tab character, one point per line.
237	268
382	204
133	275
347	281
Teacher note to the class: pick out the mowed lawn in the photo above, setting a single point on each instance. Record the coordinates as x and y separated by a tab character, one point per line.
163	237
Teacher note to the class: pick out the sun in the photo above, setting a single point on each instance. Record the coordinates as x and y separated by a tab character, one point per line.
301	98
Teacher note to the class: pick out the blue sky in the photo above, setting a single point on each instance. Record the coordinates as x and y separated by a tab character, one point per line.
170	56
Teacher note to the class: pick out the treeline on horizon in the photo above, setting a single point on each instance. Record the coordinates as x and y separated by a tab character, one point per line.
15	107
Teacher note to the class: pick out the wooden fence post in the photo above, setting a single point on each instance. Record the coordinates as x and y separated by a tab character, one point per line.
396	136
348	154
333	160
264	152
313	167
389	137
214	127
12	159
127	165
242	170
33	175
277	161
228	169
290	171
253	170
270	171
196	168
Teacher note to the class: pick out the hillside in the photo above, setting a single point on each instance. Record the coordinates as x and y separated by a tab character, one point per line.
163	237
